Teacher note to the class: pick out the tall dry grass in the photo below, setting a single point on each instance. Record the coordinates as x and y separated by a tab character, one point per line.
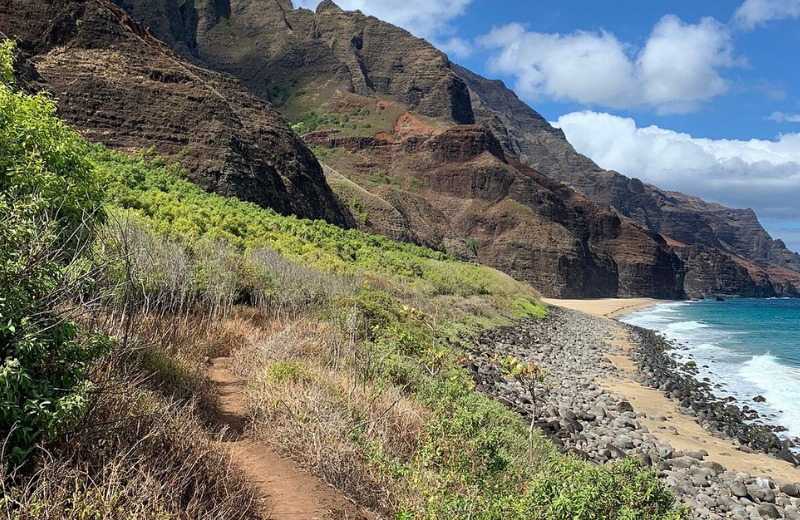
135	455
143	449
319	409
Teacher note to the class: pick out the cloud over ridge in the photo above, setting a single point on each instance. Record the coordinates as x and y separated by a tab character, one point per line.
757	173
428	19
678	67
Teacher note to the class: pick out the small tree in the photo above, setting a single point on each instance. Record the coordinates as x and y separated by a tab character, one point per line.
534	380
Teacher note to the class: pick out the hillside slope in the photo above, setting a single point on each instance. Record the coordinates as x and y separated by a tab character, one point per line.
382	94
460	191
120	85
389	108
763	266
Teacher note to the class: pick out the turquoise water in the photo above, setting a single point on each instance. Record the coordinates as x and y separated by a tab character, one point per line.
747	347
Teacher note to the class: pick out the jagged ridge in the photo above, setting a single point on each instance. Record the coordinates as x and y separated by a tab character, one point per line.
757	264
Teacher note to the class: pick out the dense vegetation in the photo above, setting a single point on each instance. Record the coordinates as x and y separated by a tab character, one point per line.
49	200
68	383
350	342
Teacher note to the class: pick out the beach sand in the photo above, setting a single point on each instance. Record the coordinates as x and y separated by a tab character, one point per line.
606	307
687	433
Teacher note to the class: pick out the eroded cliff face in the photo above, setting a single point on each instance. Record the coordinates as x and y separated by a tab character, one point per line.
723	236
119	85
276	50
413	168
395	121
483	205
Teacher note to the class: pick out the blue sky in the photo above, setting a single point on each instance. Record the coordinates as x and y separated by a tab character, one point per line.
699	97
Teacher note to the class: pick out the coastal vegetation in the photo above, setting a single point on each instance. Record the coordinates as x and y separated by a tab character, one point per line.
120	278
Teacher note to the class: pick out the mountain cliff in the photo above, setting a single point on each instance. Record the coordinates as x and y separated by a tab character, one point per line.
391	97
118	84
457	189
765	267
417	148
276	50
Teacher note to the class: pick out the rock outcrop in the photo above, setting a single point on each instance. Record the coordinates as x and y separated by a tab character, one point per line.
482	204
119	85
399	122
714	232
425	175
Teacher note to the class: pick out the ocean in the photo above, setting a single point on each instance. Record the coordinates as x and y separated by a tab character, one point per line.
745	347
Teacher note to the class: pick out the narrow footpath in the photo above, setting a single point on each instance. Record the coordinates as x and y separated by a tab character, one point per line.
286	491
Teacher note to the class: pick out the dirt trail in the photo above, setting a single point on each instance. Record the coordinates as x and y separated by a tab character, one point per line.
287	492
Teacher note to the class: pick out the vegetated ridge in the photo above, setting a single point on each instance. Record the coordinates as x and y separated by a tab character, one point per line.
331	62
122	280
405	157
383	97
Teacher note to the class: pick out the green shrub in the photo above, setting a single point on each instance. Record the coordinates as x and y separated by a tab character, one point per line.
285	371
567	489
49	196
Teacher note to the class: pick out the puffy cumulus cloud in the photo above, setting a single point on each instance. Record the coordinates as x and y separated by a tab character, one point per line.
678	67
429	19
454	47
582	66
753	13
763	175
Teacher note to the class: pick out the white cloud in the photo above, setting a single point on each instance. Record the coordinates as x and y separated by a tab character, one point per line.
780	117
678	68
583	66
680	63
761	174
455	47
753	13
429	19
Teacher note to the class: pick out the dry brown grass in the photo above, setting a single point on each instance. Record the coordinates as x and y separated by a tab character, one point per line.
135	456
324	414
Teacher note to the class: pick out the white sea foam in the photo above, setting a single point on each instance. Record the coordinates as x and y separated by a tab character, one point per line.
780	385
684	326
732	372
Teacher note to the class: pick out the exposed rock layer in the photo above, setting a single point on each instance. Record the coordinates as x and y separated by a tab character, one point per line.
714	232
457	189
119	85
275	49
479	203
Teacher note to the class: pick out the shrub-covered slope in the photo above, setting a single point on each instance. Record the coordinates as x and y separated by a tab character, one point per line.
377	401
121	86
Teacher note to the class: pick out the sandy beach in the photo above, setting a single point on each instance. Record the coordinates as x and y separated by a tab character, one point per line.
680	430
596	403
606	307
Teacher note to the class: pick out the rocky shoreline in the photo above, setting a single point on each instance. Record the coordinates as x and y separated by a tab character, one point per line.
587	419
721	417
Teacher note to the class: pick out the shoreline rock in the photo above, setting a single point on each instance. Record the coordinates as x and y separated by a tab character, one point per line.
592	422
720	417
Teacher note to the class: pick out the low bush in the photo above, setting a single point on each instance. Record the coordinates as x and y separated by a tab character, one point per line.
134	456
